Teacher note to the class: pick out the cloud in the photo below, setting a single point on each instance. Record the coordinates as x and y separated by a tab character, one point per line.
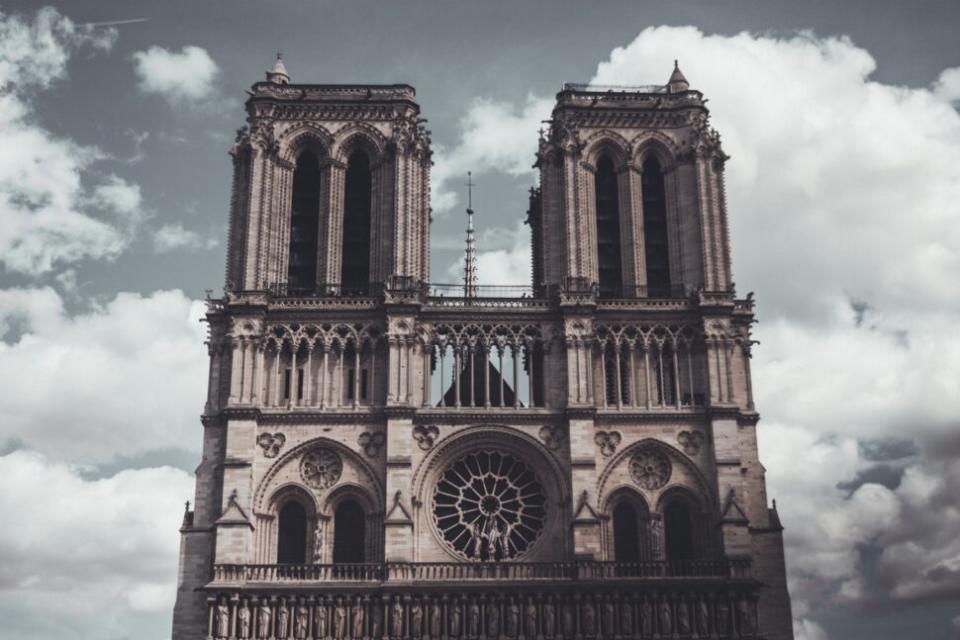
88	558
494	136
123	377
171	237
503	257
184	77
947	86
54	209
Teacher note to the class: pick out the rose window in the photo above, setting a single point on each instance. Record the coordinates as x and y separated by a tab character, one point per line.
489	506
321	468
650	468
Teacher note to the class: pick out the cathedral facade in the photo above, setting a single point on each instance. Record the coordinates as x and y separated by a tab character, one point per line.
385	459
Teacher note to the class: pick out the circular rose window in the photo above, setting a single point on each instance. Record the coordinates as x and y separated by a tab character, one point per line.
489	505
321	468
650	468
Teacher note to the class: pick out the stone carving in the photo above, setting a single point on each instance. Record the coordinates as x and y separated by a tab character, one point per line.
691	441
626	618
283	620
243	621
318	541
416	619
703	618
646	618
473	619
301	622
607	441
549	618
358	618
609	617
339	620
396	619
265	615
371	442
513	618
321	468
223	620
567	618
320	619
425	435
493	619
650	468
436	619
376	619
745	617
454	620
271	443
666	618
552	436
723	617
530	619
683	618
588	618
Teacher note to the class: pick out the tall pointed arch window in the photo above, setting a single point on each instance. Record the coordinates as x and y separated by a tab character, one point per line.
655	229
349	533
355	252
609	264
292	534
304	223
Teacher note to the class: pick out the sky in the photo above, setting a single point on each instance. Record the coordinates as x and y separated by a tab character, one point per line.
842	123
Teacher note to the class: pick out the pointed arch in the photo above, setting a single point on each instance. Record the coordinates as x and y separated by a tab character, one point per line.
357	213
609	243
655	235
304	221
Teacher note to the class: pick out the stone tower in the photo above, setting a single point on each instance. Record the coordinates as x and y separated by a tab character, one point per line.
388	460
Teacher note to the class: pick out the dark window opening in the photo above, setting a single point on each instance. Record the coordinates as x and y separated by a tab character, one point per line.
355	265
655	229
292	538
609	264
363	384
304	223
664	377
626	533
678	528
348	533
288	383
610	375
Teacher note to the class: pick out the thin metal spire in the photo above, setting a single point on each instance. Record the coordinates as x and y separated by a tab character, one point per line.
470	266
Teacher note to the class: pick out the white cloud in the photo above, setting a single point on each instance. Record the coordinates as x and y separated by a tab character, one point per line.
88	558
507	264
494	136
50	214
171	237
184	77
123	377
947	86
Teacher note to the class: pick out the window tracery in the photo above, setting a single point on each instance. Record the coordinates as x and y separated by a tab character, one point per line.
321	468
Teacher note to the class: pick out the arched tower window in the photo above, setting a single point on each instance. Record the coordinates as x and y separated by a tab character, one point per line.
626	533
304	223
609	265
349	533
655	229
292	538
679	531
355	265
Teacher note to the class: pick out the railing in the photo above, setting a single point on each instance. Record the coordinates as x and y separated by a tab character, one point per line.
482	291
478	571
598	88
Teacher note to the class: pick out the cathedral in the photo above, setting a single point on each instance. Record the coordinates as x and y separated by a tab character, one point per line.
389	459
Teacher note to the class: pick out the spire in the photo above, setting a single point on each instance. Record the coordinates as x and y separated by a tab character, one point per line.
470	266
278	73
677	81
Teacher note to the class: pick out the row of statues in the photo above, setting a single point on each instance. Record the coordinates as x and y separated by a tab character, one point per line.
446	617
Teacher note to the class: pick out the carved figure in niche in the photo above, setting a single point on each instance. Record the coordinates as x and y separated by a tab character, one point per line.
588	618
683	617
626	617
339	619
473	620
318	541
223	619
609	617
493	618
607	441
744	617
654	525
358	611
416	619
549	618
666	618
566	615
454	622
265	615
531	619
301	622
376	619
691	441
320	620
436	619
513	618
646	618
703	617
723	617
396	621
243	621
283	620
650	468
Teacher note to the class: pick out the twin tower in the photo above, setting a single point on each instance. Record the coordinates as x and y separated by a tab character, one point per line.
577	462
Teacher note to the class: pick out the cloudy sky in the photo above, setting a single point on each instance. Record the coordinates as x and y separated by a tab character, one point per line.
844	200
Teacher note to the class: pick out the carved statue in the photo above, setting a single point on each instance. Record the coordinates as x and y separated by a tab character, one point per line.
723	617
494	536
588	618
320	620
473	619
683	618
301	622
436	620
513	618
646	618
703	617
454	630
243	621
339	620
376	619
744	617
493	619
416	619
396	622
358	619
223	620
626	618
283	620
318	541
655	537
549	619
266	617
568	622
531	620
666	618
609	617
